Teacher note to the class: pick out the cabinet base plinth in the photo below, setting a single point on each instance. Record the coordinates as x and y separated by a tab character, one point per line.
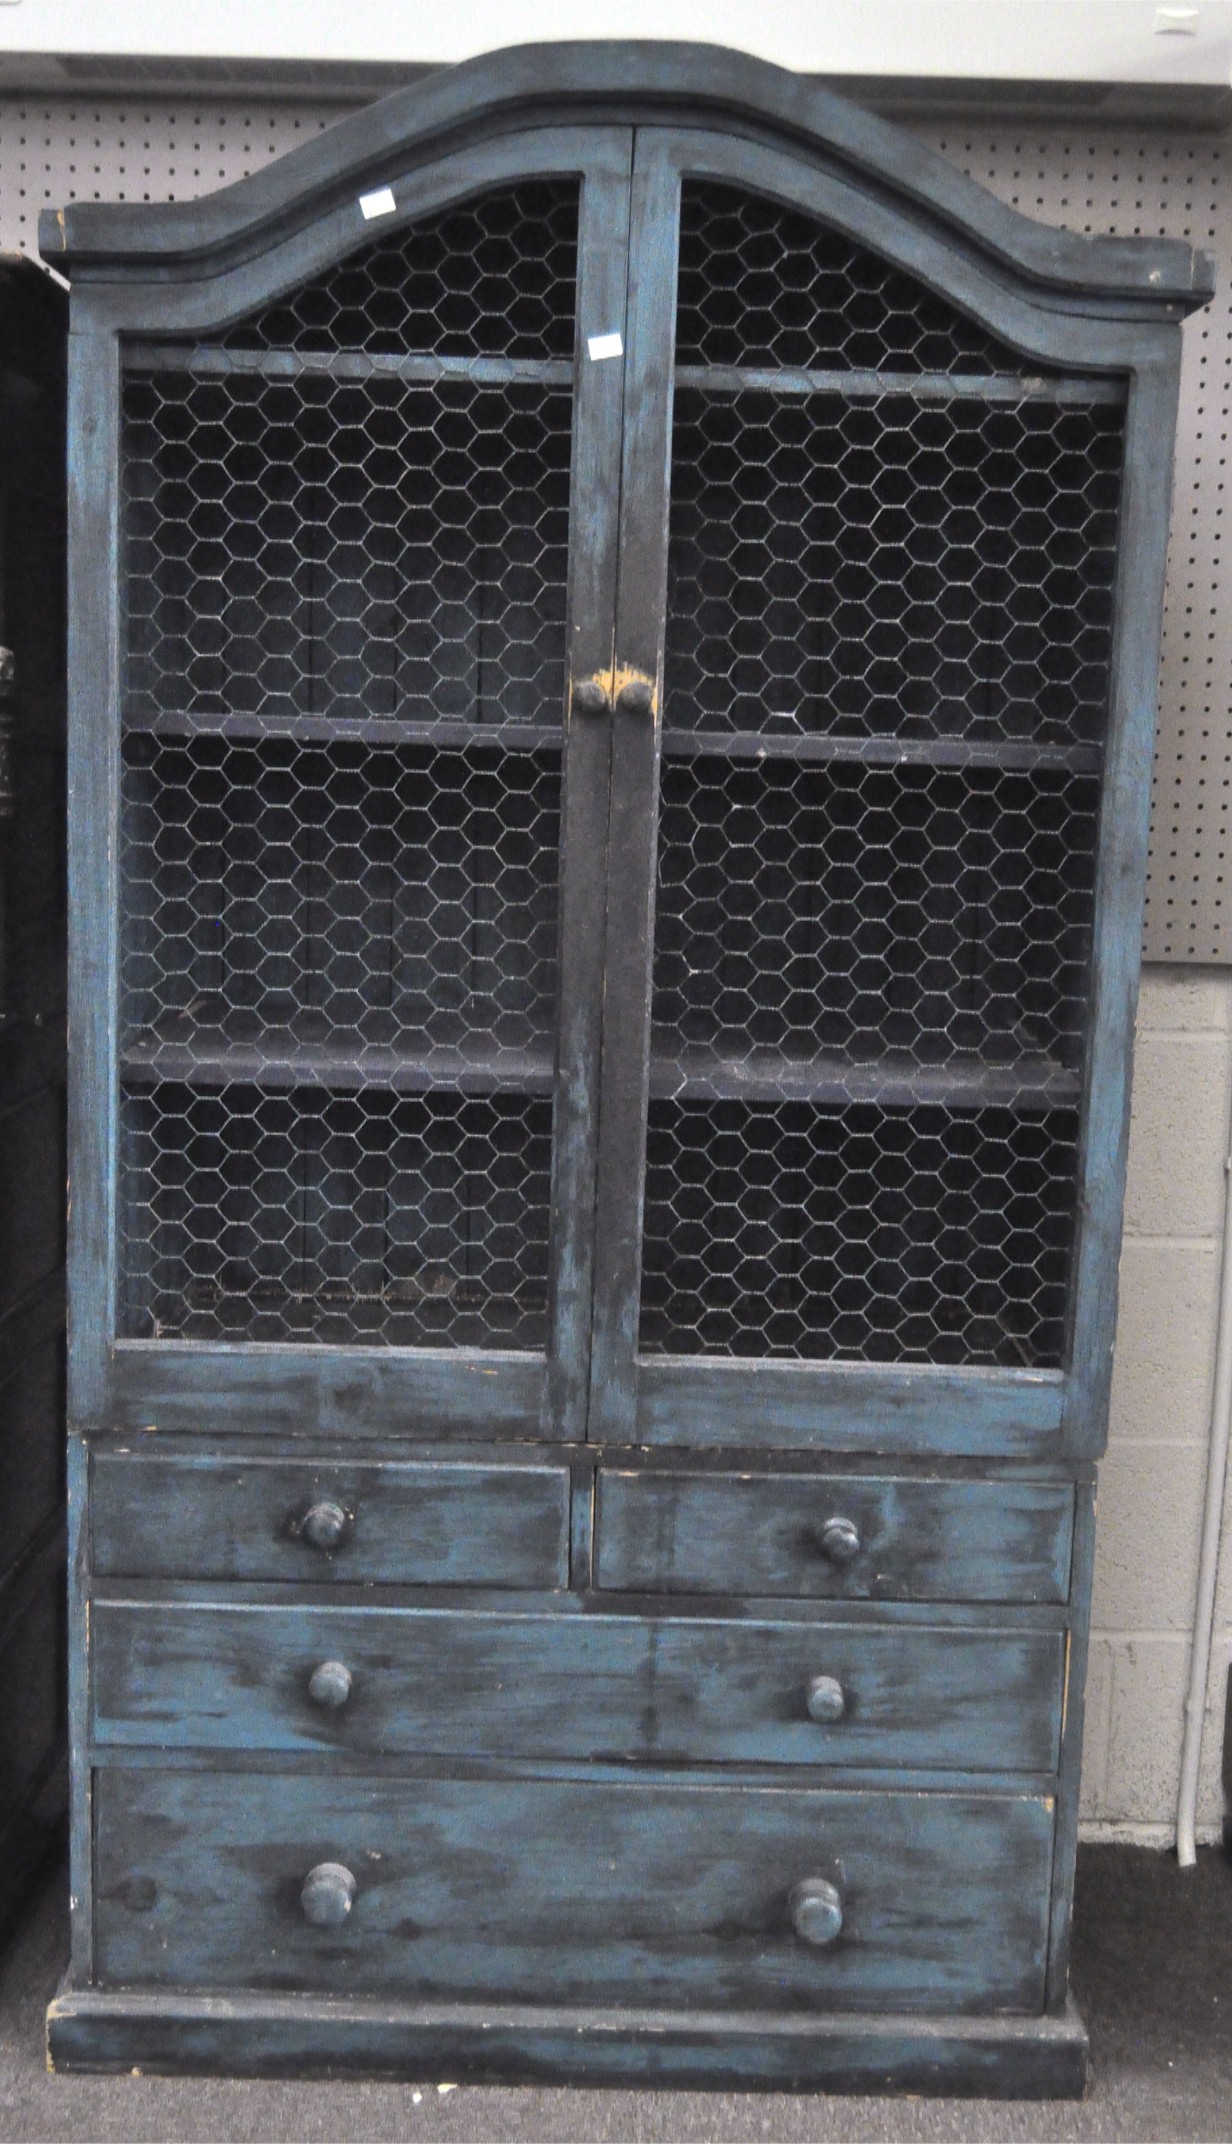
255	2035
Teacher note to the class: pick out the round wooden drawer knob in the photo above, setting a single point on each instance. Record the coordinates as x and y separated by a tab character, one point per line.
330	1685
326	1526
824	1700
816	1910
328	1894
840	1540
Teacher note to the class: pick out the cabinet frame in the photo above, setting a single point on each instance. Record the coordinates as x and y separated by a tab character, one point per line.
825	1460
621	413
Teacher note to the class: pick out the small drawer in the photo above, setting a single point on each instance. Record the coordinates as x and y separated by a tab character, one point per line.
183	1515
560	1890
512	1685
849	1536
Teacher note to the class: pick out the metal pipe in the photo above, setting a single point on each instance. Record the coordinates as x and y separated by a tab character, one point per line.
1208	1562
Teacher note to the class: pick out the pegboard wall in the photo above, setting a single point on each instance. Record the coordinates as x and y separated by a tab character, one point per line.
1086	176
1179	185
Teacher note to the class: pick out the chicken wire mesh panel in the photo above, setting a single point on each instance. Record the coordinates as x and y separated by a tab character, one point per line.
349	911
764	284
891	566
863	914
802	1232
887	667
345	547
495	276
321	1217
311	546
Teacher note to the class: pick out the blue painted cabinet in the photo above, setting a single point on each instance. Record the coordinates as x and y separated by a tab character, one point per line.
615	612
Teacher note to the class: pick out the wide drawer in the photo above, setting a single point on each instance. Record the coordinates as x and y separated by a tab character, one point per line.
513	1890
850	1536
181	1515
527	1685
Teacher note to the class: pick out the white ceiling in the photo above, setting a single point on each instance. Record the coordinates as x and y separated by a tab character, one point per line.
1056	40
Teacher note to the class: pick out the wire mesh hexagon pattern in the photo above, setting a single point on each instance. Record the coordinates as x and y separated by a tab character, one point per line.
495	275
402	1219
393	909
892	547
761	283
891	566
345	540
829	915
316	546
864	1234
886	681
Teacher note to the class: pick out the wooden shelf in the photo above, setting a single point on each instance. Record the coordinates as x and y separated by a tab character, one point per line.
339	1060
1008	756
337	729
864	386
213	361
286	1058
697	1072
336	1316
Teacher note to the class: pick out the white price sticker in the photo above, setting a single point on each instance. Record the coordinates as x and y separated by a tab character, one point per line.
381	203
605	346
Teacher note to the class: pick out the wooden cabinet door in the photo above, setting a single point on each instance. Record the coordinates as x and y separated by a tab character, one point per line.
625	774
367	538
869	540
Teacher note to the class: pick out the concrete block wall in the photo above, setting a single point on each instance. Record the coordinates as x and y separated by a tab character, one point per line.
1152	1480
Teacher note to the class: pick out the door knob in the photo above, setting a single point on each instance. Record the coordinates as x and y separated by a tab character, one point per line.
636	698
590	698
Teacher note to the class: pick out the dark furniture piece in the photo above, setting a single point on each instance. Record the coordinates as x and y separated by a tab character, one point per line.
615	622
33	1768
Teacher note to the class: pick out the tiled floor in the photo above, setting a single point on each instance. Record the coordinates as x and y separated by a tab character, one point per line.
1152	1972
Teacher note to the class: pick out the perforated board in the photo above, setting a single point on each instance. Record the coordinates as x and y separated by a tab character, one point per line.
1088	176
1116	182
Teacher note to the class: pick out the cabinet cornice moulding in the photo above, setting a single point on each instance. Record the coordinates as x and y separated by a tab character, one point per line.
624	82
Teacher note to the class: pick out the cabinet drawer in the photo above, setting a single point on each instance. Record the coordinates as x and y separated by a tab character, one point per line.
550	1889
401	1523
614	1687
838	1536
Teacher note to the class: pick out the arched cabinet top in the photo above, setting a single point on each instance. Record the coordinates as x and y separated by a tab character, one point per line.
579	84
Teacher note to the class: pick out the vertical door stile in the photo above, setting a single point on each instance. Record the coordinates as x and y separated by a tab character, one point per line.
603	278
640	608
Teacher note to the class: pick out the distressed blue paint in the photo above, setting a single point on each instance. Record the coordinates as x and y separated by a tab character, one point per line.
528	1891
506	1683
1120	894
292	2036
212	1517
920	1539
849	1407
